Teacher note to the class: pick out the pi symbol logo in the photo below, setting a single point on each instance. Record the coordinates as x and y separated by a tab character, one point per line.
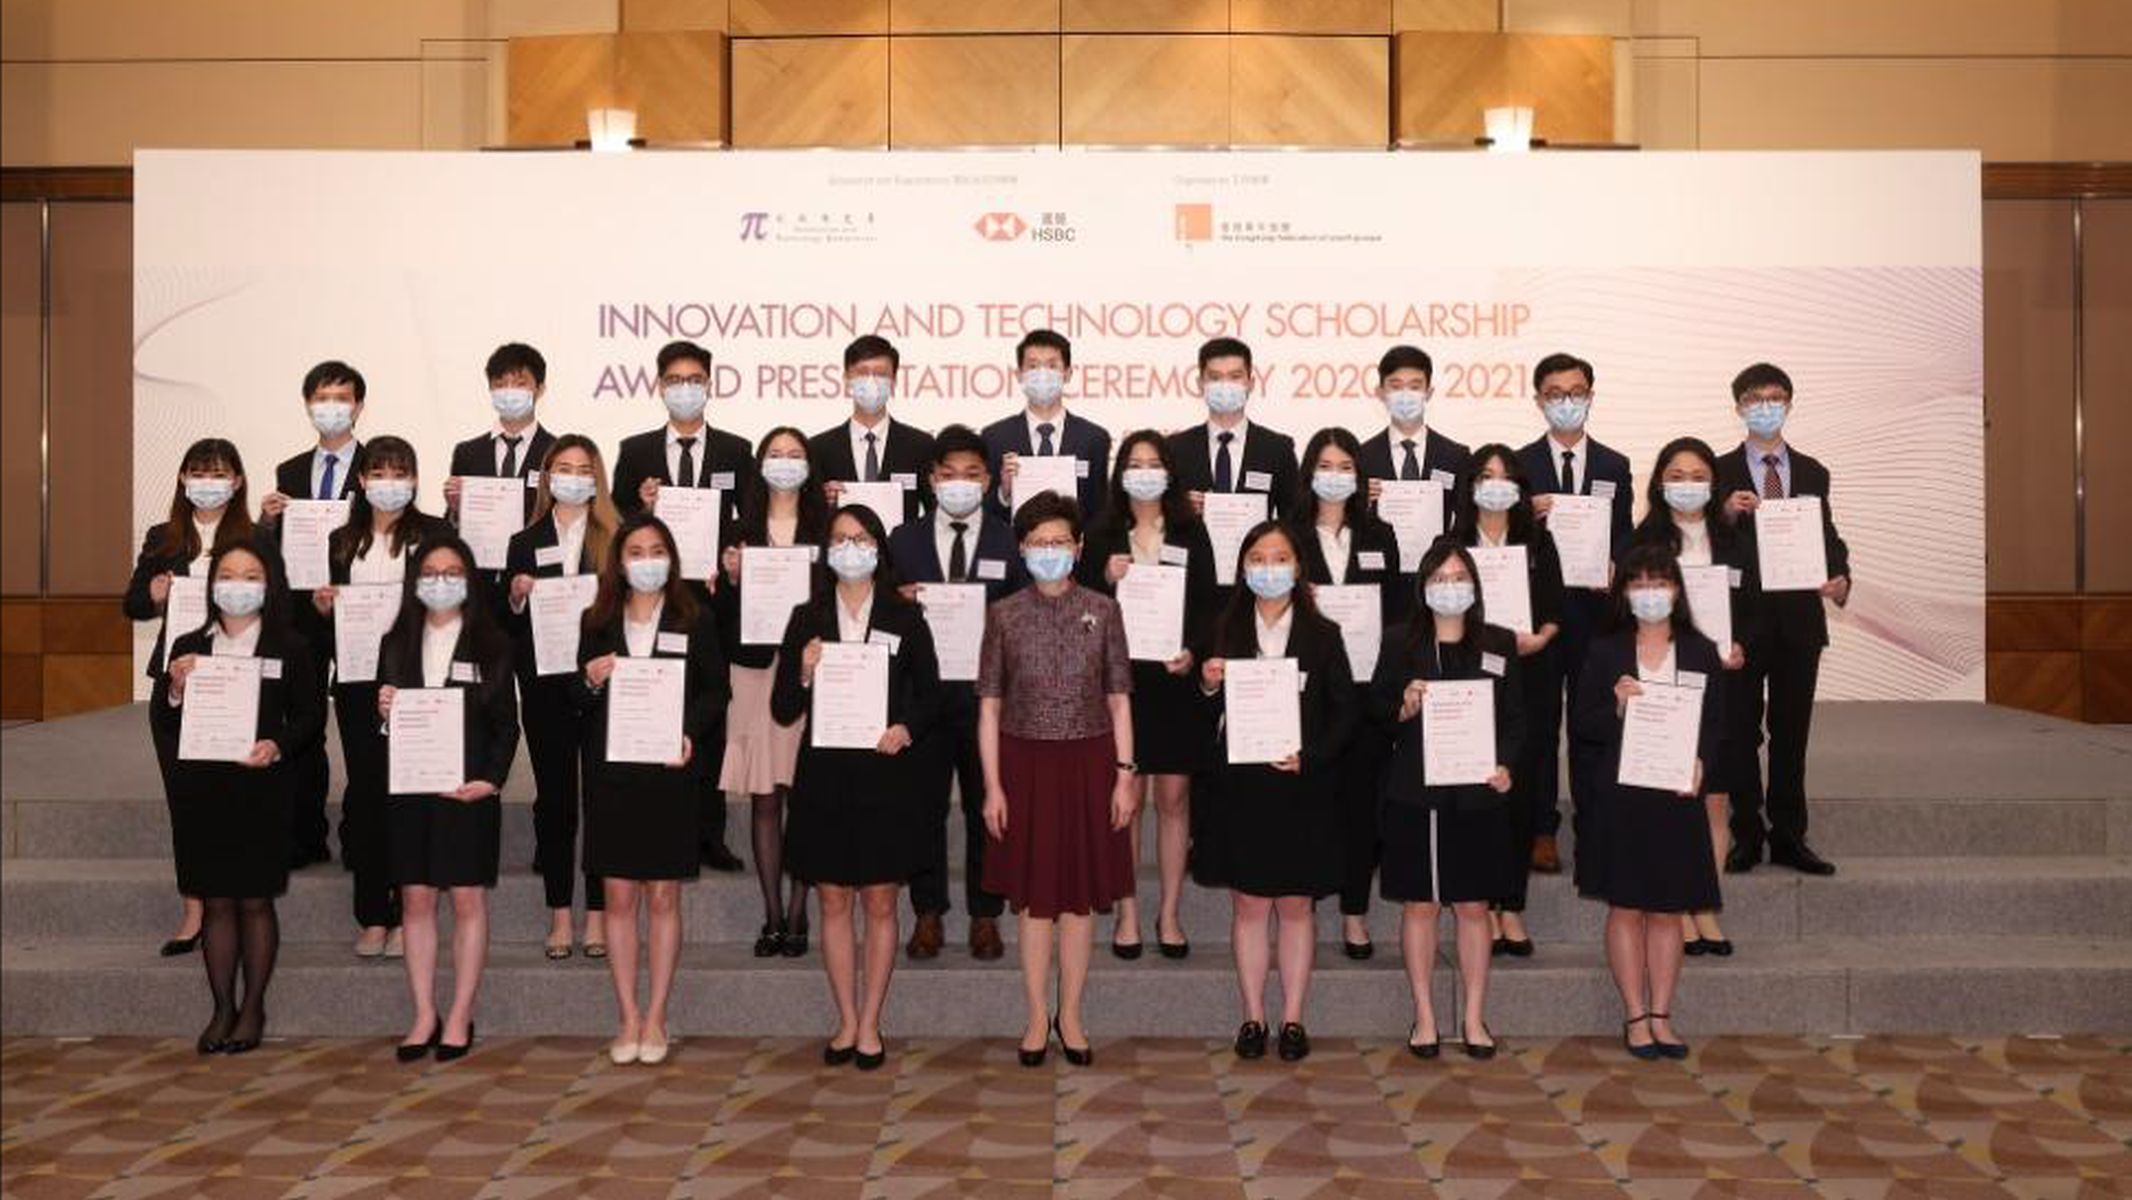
752	226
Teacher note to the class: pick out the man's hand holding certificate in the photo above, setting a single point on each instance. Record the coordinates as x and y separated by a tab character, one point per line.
305	526
1787	535
1583	532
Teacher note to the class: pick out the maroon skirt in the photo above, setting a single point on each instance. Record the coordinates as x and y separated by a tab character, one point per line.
1060	854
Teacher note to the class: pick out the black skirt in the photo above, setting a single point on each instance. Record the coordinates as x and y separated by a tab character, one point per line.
1448	854
435	842
1648	850
1171	731
855	816
1264	832
230	829
641	821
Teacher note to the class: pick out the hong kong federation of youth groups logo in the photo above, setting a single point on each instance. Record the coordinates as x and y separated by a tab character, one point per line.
817	226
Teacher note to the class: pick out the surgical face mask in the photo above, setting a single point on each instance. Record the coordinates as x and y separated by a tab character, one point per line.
1495	495
1224	397
784	474
332	417
1688	495
960	497
1450	597
512	403
1333	487
1765	417
208	491
647	574
389	495
572	489
1145	483
1651	604
869	392
1270	581
685	401
853	560
1043	386
1406	405
240	597
1048	564
441	593
1566	415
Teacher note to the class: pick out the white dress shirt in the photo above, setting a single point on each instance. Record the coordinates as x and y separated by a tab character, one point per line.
525	445
1667	670
642	637
222	644
1058	431
570	539
438	644
343	462
853	623
696	453
858	434
1273	639
1694	543
379	564
1396	442
1236	452
944	539
205	530
1556	447
1333	544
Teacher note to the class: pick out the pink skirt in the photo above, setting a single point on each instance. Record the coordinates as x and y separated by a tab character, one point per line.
1060	854
759	752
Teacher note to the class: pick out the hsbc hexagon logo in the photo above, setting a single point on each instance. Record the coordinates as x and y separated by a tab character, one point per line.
1001	227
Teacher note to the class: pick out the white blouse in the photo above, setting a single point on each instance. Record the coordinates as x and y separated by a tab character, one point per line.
438	642
379	564
1694	543
1273	638
643	636
1334	543
851	625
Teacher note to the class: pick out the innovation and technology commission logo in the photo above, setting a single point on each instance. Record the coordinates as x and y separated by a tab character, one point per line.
816	227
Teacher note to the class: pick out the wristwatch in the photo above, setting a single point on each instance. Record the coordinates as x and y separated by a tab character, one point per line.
1130	768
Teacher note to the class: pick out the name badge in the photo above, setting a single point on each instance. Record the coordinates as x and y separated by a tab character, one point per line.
675	643
814	554
1370	560
1689	679
1302	681
882	637
1258	481
548	556
270	668
1080	468
1443	478
1602	488
1175	556
722	480
991	568
532	479
466	672
907	480
1492	663
1736	577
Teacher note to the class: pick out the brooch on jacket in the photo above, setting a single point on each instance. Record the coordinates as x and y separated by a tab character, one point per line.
1088	621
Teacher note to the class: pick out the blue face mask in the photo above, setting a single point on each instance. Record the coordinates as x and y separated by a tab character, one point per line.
1333	487
1224	397
1450	597
512	403
1145	483
1406	405
209	491
1048	564
869	392
1270	581
1687	495
389	495
1495	495
441	593
853	560
240	597
571	489
1765	418
647	574
1566	415
685	401
784	474
1651	604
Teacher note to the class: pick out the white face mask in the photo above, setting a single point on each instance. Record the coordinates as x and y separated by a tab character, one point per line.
784	474
1687	495
389	495
647	574
1406	405
239	597
960	497
1495	495
209	491
1224	398
1333	487
571	489
1043	386
1145	483
870	392
512	403
1448	597
1651	605
686	401
332	417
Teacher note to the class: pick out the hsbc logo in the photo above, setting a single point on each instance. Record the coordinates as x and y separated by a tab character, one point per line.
1001	226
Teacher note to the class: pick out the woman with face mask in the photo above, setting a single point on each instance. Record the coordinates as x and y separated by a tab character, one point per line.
230	820
640	819
1271	833
443	638
781	505
208	512
1149	522
1492	507
1647	852
1448	844
857	813
375	547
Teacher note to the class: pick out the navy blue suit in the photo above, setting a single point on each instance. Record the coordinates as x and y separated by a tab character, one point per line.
1077	436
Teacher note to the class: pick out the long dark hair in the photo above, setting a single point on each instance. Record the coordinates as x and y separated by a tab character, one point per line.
607	604
1421	622
1657	560
386	451
1466	515
479	625
1658	525
1117	519
178	538
885	579
814	514
1236	628
1305	504
275	614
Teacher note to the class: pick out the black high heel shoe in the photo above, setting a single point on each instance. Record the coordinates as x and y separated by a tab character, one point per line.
834	1055
1359	951
408	1052
1649	1051
795	943
1251	1040
247	1043
1081	1056
770	942
1423	1050
446	1052
212	1042
1695	947
1673	1050
1718	947
1032	1058
180	947
1174	950
1481	1051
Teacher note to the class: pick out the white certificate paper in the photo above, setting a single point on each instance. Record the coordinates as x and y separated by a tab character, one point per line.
1151	600
773	581
362	612
1035	474
1229	516
1264	704
556	610
850	696
1658	738
1457	732
219	721
490	511
1709	591
1506	586
425	741
305	526
884	496
645	700
1358	609
692	515
185	609
1582	527
1414	508
1787	536
955	612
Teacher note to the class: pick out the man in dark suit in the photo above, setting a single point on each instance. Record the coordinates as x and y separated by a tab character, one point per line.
1784	651
515	448
1406	448
333	399
687	452
1226	452
958	542
1044	362
870	447
1568	461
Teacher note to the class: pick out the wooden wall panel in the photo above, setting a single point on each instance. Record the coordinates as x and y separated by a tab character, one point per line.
645	16
1847	28
1467	16
1129	90
21	687
78	683
973	91
21	627
2106	686
810	91
21	353
1445	80
1144	16
2046	681
1316	17
92	399
1310	91
553	82
2032	622
676	83
1613	18
973	16
807	18
2106	308
2028	395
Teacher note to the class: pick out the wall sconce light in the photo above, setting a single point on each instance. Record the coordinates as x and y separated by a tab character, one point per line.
1509	129
612	129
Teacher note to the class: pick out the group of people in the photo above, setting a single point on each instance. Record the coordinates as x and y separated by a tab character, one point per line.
1056	743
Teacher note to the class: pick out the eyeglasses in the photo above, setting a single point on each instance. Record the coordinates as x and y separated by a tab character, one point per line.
1578	396
672	380
1048	545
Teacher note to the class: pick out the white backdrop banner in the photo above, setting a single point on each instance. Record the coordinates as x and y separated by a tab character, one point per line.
1857	272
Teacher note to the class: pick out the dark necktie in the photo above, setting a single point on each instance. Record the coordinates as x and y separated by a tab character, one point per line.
1043	433
1224	473
510	456
873	460
1411	468
958	554
1772	482
688	462
1569	472
325	480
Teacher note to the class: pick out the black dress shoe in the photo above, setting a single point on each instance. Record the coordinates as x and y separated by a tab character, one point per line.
1517	947
408	1052
834	1055
1359	951
1695	947
869	1062
1801	858
1718	947
1034	1058
1648	1052
718	858
179	947
770	942
1174	950
1674	1050
795	943
1079	1056
214	1040
446	1052
1741	859
1423	1050
1481	1051
1129	951
1294	1044
1251	1040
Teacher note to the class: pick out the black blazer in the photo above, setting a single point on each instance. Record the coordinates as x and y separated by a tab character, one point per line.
138	605
1543	467
1789	615
1438	453
916	557
1330	704
1400	663
1202	597
292	477
1081	437
1368	541
1595	726
708	688
292	709
642	456
523	557
476	456
908	450
1266	451
491	727
1543	577
1732	547
340	544
913	670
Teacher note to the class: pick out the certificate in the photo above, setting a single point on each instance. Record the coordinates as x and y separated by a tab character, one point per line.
362	612
1414	508
1709	595
692	515
1506	586
1787	536
1358	609
1263	700
645	699
185	609
1457	732
1151	601
955	612
850	696
425	741
1582	527
305	526
490	511
556	610
1229	516
1658	738
1035	474
884	496
774	580
219	721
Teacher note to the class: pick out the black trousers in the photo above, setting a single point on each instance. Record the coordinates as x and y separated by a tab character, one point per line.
309	771
1584	613
710	798
954	762
555	742
1535	778
1361	785
364	844
1789	668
